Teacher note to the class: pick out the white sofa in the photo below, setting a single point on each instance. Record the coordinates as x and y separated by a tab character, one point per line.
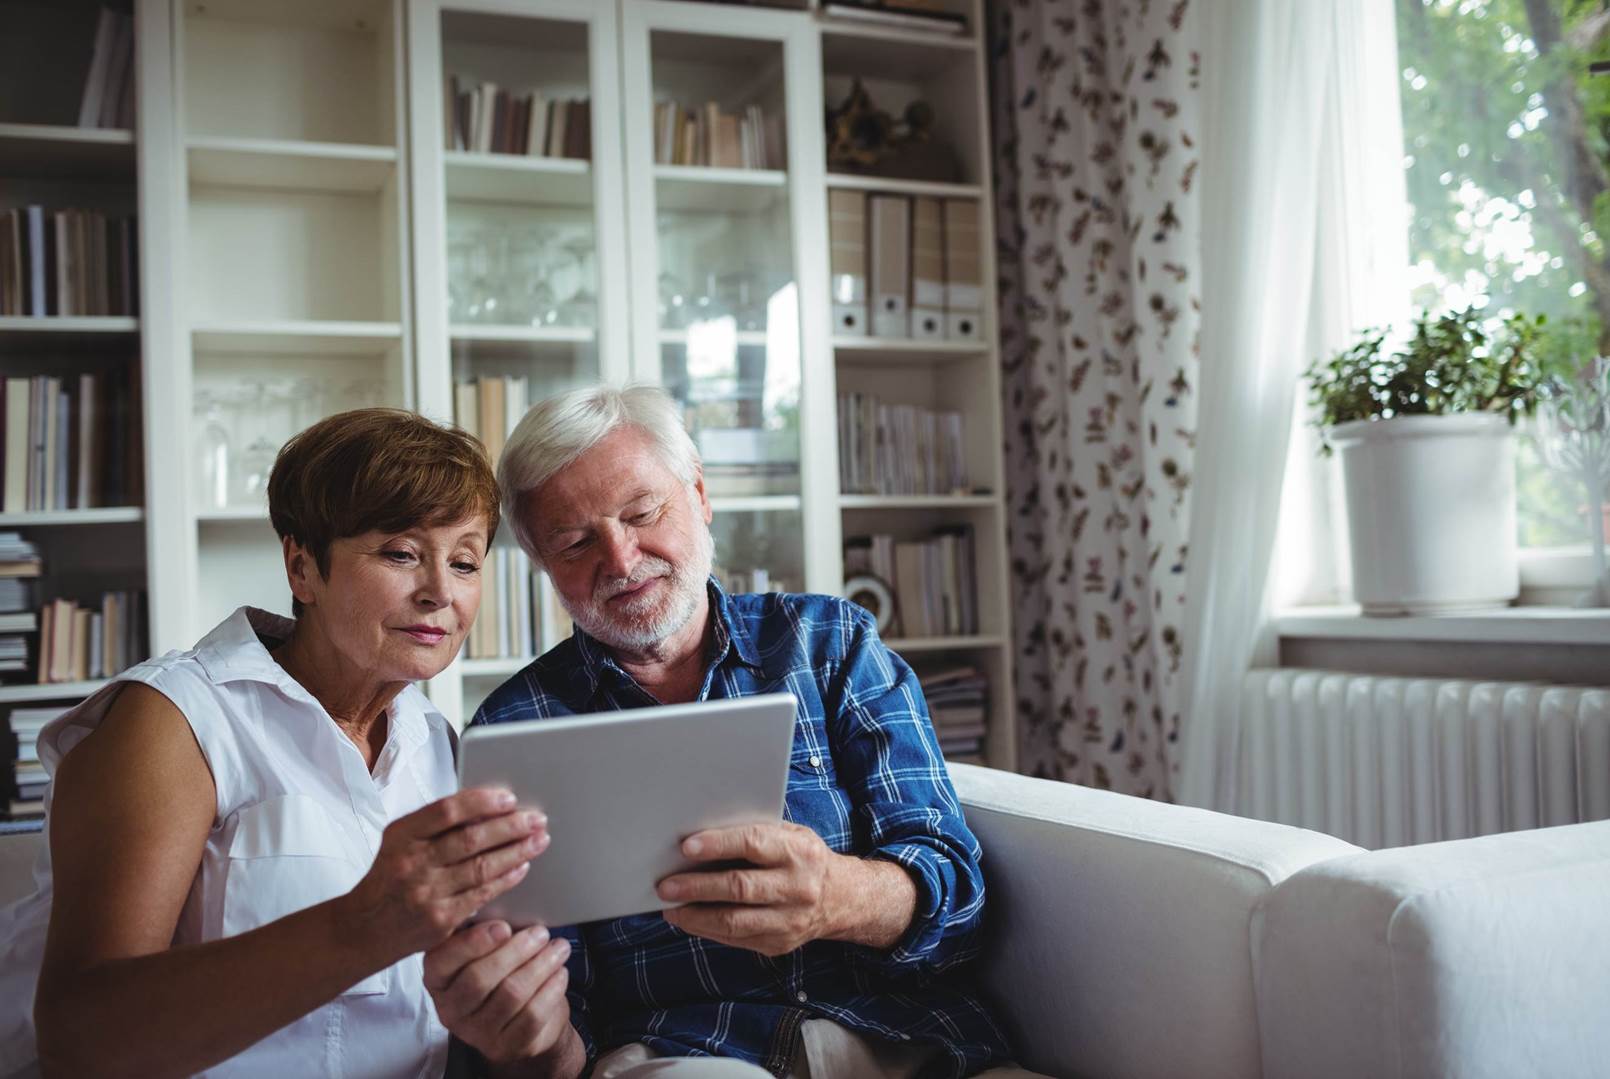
1133	938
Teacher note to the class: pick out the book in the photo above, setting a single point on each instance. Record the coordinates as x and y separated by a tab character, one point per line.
927	269
964	293
847	260
890	243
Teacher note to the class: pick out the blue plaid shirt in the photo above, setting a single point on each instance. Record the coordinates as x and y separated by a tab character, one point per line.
866	774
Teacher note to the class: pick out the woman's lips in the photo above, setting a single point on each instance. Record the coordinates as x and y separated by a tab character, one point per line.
425	635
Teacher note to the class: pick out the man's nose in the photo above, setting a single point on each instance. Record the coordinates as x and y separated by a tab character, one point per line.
619	548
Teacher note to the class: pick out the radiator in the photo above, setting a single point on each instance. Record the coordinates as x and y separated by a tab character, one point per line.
1386	762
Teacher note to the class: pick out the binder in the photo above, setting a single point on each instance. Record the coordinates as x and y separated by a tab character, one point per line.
891	265
846	228
964	294
927	269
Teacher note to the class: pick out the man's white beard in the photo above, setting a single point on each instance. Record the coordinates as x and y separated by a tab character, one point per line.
639	625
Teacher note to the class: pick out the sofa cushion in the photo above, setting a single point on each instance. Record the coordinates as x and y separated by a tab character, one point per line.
1118	940
1479	957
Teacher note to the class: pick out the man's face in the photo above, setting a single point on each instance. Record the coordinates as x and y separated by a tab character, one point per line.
626	543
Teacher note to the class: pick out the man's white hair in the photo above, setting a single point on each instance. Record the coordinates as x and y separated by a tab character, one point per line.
560	429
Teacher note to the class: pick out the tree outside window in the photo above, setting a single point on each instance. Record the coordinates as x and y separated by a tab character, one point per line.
1507	159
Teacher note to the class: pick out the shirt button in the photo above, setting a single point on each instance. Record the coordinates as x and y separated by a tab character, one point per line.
816	762
801	997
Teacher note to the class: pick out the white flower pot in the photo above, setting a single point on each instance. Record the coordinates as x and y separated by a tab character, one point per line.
1430	512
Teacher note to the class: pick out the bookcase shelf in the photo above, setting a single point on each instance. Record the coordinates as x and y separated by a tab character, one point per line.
507	178
754	503
894	186
893	52
740	338
918	502
892	351
66	333
108	515
944	644
558	335
704	188
56	691
296	337
50	151
288	165
493	668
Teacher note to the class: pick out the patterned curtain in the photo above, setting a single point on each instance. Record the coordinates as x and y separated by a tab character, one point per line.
1095	114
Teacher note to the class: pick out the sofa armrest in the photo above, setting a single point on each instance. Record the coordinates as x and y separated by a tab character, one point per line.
1478	957
1117	929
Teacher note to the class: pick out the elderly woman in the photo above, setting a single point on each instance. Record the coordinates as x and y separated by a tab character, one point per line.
251	843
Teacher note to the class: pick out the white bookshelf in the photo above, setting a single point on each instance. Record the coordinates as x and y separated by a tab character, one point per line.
303	222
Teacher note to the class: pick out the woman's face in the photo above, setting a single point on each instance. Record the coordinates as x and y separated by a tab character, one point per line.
396	606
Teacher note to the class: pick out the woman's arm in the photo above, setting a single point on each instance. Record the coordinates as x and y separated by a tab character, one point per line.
130	814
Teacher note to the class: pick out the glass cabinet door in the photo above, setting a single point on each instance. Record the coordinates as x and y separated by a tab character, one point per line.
519	207
714	101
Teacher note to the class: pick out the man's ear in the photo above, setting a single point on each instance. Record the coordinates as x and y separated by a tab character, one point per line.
699	492
300	570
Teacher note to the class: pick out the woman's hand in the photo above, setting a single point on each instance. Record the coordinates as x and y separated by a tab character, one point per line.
503	992
439	865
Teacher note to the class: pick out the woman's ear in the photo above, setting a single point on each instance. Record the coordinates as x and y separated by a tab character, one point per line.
300	571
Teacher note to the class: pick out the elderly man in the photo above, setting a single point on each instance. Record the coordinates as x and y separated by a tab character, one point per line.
841	950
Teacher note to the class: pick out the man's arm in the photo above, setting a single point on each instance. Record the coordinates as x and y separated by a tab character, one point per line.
913	900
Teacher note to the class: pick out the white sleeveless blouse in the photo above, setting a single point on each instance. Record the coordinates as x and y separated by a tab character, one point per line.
298	822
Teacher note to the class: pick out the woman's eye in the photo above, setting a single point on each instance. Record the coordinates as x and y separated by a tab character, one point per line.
397	556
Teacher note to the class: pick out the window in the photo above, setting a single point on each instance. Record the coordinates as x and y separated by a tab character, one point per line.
1507	161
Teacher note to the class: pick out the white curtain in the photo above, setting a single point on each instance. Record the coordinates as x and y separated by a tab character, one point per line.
1304	243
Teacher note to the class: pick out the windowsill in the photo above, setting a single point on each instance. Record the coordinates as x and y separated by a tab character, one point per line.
1507	625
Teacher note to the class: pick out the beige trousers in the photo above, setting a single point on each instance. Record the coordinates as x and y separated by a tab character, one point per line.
826	1051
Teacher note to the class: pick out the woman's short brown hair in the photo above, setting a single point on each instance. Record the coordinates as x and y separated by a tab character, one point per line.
377	470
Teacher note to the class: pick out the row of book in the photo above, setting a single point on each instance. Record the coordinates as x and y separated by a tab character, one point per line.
520	611
108	99
71	442
888	449
67	262
704	135
488	119
28	775
746	461
958	705
79	643
488	408
933	580
905	267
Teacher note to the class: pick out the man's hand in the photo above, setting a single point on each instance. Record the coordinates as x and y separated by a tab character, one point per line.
794	890
503	993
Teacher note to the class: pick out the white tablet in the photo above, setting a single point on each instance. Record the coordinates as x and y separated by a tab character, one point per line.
623	789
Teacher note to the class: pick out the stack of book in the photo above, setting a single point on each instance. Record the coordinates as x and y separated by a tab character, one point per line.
67	262
704	135
933	580
108	99
746	461
28	796
520	612
71	442
887	449
17	623
957	704
79	643
485	118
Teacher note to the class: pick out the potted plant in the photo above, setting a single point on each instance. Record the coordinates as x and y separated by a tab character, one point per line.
1428	458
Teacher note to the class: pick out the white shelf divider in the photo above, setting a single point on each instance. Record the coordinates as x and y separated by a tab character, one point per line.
512	178
917	502
290	165
702	187
295	337
558	335
58	152
895	186
889	351
63	691
104	515
944	644
754	503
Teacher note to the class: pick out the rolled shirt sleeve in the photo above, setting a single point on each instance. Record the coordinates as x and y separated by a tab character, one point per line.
906	811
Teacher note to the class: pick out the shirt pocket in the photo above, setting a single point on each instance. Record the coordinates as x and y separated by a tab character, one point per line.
287	854
814	798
